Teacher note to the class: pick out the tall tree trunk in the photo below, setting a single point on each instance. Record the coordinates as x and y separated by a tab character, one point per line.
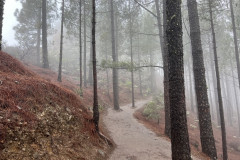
186	87
80	44
236	99
1	21
95	103
167	129
224	140
85	46
116	35
191	88
44	35
210	95
206	132
235	41
108	85
179	129
90	69
61	46
228	99
115	60
224	97
163	50
213	73
131	53
139	71
39	35
152	77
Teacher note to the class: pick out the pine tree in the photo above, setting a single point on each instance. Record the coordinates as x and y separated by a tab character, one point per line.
2	2
166	75
80	43
61	45
115	60
179	129
44	35
131	50
95	98
224	140
28	31
206	132
29	28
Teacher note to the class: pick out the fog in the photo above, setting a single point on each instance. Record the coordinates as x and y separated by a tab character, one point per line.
137	63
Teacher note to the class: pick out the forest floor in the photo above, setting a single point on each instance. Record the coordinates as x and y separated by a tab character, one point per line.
133	140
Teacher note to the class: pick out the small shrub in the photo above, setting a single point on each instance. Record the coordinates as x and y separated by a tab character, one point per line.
151	111
159	99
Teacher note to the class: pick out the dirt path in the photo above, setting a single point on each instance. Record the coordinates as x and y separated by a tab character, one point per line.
133	140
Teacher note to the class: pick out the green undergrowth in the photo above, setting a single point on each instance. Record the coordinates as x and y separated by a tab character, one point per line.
153	108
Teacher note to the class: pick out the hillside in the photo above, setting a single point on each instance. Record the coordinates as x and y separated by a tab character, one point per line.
41	119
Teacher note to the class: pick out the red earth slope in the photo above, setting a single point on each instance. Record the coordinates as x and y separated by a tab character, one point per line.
40	119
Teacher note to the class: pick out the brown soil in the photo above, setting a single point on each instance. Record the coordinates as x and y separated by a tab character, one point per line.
194	136
43	119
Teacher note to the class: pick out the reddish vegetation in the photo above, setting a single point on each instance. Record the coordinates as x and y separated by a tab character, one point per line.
19	86
194	135
72	85
29	102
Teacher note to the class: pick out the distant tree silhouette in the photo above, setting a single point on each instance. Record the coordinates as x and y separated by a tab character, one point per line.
2	2
221	111
115	60
235	40
61	46
95	103
44	35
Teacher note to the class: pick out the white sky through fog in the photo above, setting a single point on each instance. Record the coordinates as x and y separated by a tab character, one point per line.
9	21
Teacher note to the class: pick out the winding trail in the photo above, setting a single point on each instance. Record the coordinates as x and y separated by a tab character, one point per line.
134	141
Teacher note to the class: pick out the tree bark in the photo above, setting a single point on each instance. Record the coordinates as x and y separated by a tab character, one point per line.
95	103
44	35
167	129
115	60
179	129
224	140
61	46
206	132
